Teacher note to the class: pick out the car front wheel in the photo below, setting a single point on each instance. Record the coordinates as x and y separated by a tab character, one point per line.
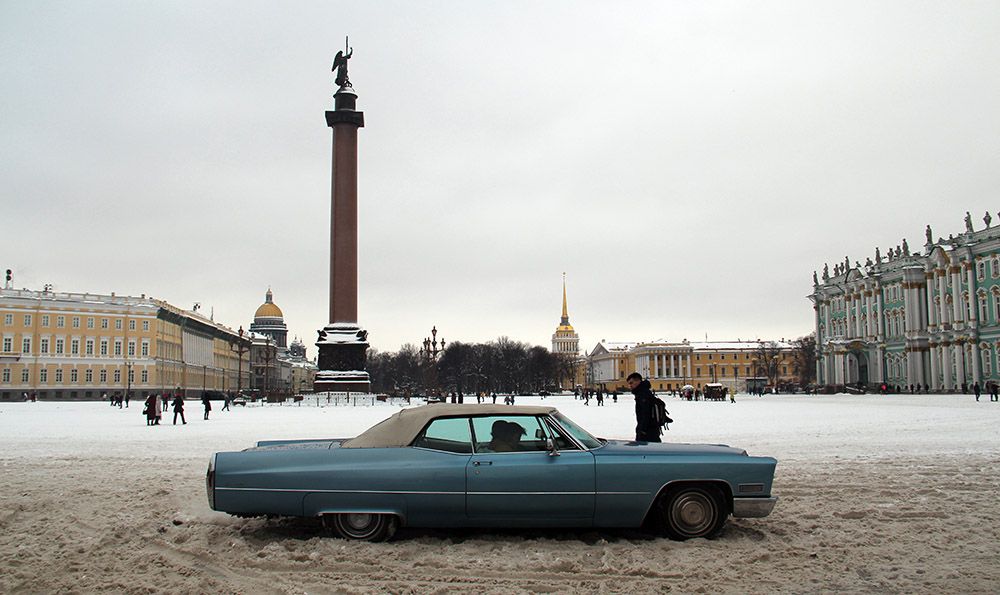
693	511
365	526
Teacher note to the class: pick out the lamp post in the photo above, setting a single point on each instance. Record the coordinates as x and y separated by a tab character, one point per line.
268	356
240	349
128	378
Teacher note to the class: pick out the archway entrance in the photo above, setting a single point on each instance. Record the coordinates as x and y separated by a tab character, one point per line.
862	358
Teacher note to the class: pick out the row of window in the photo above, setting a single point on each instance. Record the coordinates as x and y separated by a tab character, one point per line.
994	268
58	346
896	366
74	376
45	321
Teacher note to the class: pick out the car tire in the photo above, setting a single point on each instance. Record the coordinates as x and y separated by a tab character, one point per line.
365	526
693	511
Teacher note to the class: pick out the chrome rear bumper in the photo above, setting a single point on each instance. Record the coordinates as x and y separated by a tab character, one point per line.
753	507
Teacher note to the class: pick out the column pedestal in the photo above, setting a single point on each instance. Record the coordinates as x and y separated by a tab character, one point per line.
342	354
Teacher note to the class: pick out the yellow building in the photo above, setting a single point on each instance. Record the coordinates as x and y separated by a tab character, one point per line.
738	365
82	345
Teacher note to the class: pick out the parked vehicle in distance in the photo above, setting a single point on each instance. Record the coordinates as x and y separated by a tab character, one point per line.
715	391
240	400
491	466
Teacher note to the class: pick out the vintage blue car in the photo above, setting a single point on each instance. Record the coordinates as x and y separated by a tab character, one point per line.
491	466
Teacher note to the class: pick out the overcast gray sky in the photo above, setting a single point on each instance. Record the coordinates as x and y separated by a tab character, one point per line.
687	164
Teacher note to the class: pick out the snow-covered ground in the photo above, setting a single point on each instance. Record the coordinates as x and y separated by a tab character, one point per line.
878	494
790	427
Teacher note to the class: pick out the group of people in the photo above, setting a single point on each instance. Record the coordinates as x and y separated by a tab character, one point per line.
118	399
597	395
155	406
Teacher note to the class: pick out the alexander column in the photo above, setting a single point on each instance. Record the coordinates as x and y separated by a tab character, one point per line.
342	343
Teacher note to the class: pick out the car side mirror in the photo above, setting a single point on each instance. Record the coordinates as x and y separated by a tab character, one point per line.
551	447
539	434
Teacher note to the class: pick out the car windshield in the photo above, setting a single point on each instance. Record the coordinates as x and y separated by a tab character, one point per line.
582	436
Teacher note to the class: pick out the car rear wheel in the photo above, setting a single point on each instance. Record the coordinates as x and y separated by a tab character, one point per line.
365	526
693	511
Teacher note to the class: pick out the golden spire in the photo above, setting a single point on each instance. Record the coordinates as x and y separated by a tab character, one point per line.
565	311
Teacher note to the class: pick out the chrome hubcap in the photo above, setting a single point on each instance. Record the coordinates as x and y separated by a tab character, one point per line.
693	513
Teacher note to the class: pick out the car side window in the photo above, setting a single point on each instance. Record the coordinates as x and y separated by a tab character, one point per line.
449	434
508	433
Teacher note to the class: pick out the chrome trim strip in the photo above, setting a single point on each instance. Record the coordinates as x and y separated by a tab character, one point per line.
339	491
434	493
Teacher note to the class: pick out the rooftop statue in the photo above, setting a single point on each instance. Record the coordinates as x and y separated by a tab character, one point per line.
930	237
968	222
815	280
340	66
987	219
826	271
878	255
906	248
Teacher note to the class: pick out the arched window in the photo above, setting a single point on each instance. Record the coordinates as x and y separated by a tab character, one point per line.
983	309
996	305
987	356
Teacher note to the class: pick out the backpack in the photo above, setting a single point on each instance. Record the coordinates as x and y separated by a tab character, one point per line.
660	418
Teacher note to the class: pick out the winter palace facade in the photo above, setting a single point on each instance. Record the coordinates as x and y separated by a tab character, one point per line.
931	317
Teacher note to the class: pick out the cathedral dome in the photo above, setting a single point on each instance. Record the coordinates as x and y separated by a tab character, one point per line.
268	309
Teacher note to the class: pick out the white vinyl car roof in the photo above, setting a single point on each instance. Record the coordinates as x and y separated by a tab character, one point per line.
402	428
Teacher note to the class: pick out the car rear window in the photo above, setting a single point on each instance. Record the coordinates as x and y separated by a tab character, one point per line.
448	434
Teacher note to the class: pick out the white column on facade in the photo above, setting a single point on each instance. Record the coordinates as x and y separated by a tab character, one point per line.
931	312
910	304
956	295
872	320
960	375
879	364
858	332
946	365
919	376
934	367
973	300
977	364
878	313
942	292
687	366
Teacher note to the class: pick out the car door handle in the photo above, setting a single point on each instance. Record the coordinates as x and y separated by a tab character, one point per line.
478	463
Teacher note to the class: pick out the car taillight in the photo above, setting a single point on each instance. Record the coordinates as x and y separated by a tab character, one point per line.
210	482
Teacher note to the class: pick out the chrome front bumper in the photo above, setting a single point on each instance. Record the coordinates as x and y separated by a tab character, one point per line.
753	507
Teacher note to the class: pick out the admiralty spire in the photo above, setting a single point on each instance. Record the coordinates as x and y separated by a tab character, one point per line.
565	340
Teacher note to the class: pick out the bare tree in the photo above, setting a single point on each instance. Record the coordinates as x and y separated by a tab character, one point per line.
766	358
804	358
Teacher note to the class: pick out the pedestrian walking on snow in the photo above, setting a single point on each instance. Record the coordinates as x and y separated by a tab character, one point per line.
207	403
645	430
977	389
179	409
150	410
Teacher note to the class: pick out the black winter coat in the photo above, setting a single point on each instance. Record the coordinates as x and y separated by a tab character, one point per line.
644	403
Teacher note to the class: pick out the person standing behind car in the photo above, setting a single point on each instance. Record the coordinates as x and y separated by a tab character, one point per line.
207	403
179	409
645	430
